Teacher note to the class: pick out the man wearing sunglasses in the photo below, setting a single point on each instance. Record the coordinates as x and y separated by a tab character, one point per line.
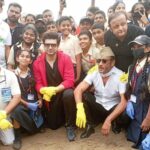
107	102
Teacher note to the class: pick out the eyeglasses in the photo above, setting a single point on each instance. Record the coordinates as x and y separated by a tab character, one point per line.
104	61
52	45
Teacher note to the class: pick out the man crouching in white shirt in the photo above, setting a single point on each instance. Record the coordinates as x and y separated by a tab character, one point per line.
107	103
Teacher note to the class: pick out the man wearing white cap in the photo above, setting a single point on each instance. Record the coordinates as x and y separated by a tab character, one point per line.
108	101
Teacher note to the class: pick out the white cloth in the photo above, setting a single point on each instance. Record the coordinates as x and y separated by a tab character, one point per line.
8	80
108	95
5	40
70	46
7	136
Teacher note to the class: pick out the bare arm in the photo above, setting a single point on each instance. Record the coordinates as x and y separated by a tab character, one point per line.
82	87
13	103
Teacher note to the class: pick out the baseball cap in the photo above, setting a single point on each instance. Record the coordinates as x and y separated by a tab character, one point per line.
141	40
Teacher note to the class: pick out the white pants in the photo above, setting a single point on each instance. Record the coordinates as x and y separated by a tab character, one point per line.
7	136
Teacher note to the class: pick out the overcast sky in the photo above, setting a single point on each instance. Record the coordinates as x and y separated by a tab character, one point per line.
75	8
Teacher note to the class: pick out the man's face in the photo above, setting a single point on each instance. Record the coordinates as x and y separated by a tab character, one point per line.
99	18
65	27
85	26
50	46
105	64
90	15
119	27
13	14
47	16
98	34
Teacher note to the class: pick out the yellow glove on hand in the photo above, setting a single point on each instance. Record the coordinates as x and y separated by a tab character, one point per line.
5	124
48	92
93	69
46	97
81	117
3	115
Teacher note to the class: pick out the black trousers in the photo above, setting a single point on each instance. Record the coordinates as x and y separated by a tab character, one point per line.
21	114
96	113
62	109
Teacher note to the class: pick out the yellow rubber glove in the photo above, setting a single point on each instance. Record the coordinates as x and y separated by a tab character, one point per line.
5	124
46	97
3	115
81	117
48	90
93	69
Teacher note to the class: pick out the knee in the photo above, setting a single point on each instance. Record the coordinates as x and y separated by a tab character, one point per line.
68	95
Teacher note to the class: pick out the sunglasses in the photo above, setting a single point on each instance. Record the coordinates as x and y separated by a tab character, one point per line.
104	61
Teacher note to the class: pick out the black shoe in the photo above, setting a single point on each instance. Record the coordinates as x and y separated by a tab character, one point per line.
87	132
70	133
17	144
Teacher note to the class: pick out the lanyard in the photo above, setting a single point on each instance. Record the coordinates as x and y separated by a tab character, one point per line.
135	78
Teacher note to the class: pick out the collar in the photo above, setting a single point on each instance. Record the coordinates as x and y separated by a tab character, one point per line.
18	71
20	45
68	37
111	72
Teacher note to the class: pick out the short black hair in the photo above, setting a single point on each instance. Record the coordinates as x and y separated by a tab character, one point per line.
15	5
64	18
86	32
98	26
51	35
93	9
102	13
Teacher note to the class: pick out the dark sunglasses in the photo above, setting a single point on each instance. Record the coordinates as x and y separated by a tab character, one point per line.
104	61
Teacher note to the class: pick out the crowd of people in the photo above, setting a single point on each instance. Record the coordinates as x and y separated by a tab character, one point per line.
57	73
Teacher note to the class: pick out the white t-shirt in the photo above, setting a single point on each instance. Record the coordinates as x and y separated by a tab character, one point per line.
5	40
8	86
108	95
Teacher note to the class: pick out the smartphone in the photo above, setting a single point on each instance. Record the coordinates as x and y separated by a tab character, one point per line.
137	15
63	2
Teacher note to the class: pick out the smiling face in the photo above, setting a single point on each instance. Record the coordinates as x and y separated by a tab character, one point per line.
29	36
119	27
65	27
84	42
51	46
24	58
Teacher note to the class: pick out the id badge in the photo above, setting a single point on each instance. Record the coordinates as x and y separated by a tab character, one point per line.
133	98
30	97
6	94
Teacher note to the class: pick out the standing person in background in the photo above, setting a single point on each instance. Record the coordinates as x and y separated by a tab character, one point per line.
98	31
13	15
119	6
69	44
29	18
5	39
90	13
54	76
118	37
139	16
100	17
47	15
28	42
89	52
